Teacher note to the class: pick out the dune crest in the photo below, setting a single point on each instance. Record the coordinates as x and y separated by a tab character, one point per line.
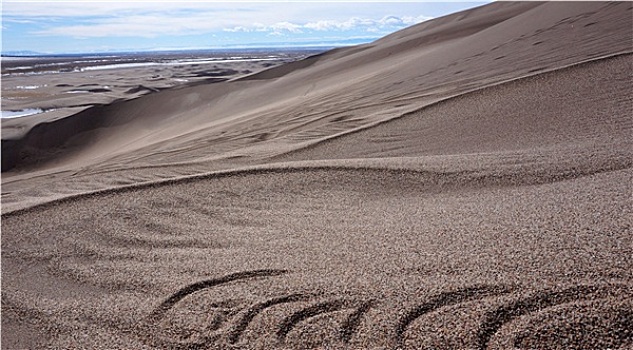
246	122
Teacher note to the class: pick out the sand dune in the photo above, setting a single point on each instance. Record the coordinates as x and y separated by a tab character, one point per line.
465	183
221	126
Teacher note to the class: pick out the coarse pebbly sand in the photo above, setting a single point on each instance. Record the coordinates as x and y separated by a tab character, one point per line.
465	183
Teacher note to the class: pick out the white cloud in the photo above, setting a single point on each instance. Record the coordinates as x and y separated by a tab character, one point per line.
129	19
154	19
286	26
236	29
103	8
143	25
370	25
387	23
19	21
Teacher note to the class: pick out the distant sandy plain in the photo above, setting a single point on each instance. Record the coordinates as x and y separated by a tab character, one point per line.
465	183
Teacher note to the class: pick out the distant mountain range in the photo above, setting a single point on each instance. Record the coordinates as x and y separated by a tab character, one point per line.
24	53
272	45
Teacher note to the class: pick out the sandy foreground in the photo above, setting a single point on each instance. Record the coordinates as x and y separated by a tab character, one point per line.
465	183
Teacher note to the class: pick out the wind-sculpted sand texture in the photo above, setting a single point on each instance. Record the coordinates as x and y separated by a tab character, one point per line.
343	257
246	122
415	193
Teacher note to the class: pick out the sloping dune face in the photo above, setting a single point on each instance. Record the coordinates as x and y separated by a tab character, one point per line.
465	183
256	120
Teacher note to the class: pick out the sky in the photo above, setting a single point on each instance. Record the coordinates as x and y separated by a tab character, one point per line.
55	27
